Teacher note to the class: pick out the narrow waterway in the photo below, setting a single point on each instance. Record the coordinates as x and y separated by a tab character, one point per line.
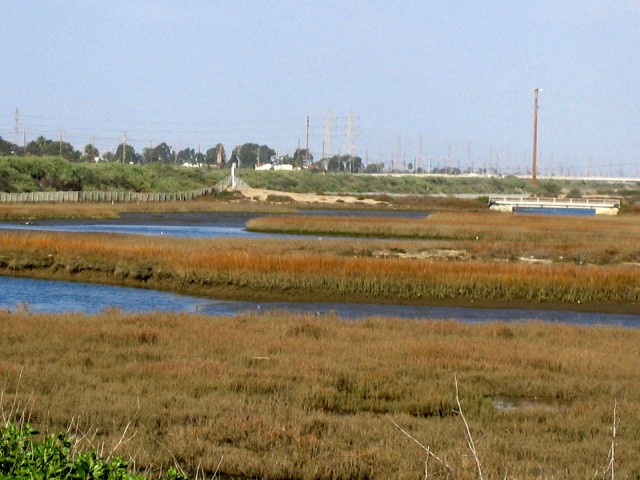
188	225
52	296
56	296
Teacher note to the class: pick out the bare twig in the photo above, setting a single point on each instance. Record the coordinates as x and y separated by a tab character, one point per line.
81	436
470	443
15	408
122	440
175	461
430	454
215	474
612	450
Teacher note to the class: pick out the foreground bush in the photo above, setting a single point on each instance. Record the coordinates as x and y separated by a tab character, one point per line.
22	456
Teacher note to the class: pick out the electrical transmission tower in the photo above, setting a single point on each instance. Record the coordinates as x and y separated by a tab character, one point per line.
329	129
351	137
16	127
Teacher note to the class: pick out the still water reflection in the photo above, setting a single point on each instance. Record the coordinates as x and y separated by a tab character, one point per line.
58	297
184	224
196	225
55	296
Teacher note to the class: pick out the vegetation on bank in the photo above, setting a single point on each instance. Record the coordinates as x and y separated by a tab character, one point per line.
277	395
223	203
27	174
487	236
31	174
388	271
361	184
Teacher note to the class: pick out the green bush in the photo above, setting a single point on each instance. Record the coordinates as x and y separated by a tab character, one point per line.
22	456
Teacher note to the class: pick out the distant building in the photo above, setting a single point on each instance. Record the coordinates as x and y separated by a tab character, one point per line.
284	166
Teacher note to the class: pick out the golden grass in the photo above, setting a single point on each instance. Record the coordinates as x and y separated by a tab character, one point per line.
13	212
288	396
271	269
487	235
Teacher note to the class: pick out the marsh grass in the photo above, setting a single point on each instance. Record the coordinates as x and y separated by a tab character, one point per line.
28	212
486	235
307	269
288	396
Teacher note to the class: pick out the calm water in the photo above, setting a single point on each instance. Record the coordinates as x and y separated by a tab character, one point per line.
54	296
195	224
198	224
51	296
192	225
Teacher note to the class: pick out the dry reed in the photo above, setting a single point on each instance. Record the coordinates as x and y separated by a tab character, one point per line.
269	269
288	396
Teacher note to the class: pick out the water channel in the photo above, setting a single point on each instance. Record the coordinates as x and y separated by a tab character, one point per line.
58	297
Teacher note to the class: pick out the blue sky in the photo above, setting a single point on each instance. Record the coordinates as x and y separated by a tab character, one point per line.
457	75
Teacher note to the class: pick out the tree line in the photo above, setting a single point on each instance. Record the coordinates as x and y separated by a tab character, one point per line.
247	155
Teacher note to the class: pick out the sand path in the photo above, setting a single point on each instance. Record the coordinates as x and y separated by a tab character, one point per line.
260	194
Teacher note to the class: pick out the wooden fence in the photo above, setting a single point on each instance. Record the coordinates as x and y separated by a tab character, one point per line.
117	197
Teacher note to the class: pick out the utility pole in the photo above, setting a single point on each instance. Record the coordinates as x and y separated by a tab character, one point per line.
124	146
16	126
534	167
306	160
61	134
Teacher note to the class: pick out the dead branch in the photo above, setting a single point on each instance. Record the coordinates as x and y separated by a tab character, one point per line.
470	443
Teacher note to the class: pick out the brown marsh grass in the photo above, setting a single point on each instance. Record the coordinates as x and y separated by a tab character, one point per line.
306	269
14	212
278	395
487	235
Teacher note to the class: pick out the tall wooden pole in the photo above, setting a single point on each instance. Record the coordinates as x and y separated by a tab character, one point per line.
306	154
534	168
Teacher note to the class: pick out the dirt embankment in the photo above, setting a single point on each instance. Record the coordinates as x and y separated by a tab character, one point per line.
259	194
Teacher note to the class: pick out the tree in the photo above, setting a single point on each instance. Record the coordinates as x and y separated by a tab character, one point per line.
130	155
216	155
7	148
187	155
162	153
46	147
221	156
374	168
159	153
356	164
249	154
345	163
300	157
90	153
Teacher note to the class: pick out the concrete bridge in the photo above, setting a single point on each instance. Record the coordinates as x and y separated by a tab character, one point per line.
557	206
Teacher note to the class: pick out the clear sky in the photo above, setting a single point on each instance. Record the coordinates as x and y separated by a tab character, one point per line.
455	76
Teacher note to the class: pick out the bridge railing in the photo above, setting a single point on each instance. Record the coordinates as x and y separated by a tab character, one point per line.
611	202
